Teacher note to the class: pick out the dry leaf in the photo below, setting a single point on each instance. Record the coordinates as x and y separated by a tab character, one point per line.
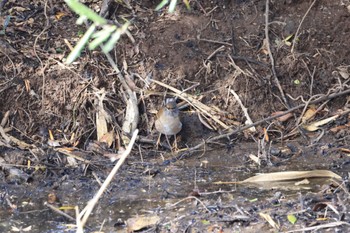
108	138
264	47
254	158
6	48
291	175
343	72
322	205
53	143
340	127
282	118
206	124
266	135
101	125
344	150
59	15
315	125
141	222
16	229
268	218
131	115
310	113
101	116
302	182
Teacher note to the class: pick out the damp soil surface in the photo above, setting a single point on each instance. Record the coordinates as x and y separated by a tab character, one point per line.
218	55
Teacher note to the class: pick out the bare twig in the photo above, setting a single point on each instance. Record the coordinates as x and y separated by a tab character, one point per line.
191	197
215	42
244	109
215	52
47	25
301	22
58	211
270	55
84	215
322	226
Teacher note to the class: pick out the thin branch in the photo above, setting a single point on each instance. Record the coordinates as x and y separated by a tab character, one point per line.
84	215
270	55
301	22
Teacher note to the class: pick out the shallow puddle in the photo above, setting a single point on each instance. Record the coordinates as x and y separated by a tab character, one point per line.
181	190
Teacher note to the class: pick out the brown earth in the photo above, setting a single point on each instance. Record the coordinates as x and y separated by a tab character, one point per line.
216	47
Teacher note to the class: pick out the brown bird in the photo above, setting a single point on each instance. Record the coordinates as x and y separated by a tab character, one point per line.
168	120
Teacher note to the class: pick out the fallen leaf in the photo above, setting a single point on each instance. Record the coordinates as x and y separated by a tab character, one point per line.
59	15
268	218
255	158
282	118
320	206
266	135
309	114
141	222
340	127
343	71
108	138
315	125
53	143
291	175
302	182
101	115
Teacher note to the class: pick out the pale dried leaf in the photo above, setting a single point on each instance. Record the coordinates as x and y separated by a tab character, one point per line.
206	124
310	113
302	182
131	115
101	116
264	47
344	75
291	175
343	72
108	138
141	222
53	143
268	218
101	125
72	161
255	158
315	125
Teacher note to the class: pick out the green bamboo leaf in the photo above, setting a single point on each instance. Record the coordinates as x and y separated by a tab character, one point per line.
83	10
161	5
80	45
101	36
98	41
187	4
114	38
172	6
81	20
106	29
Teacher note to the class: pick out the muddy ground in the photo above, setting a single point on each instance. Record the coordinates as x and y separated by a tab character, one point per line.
50	155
